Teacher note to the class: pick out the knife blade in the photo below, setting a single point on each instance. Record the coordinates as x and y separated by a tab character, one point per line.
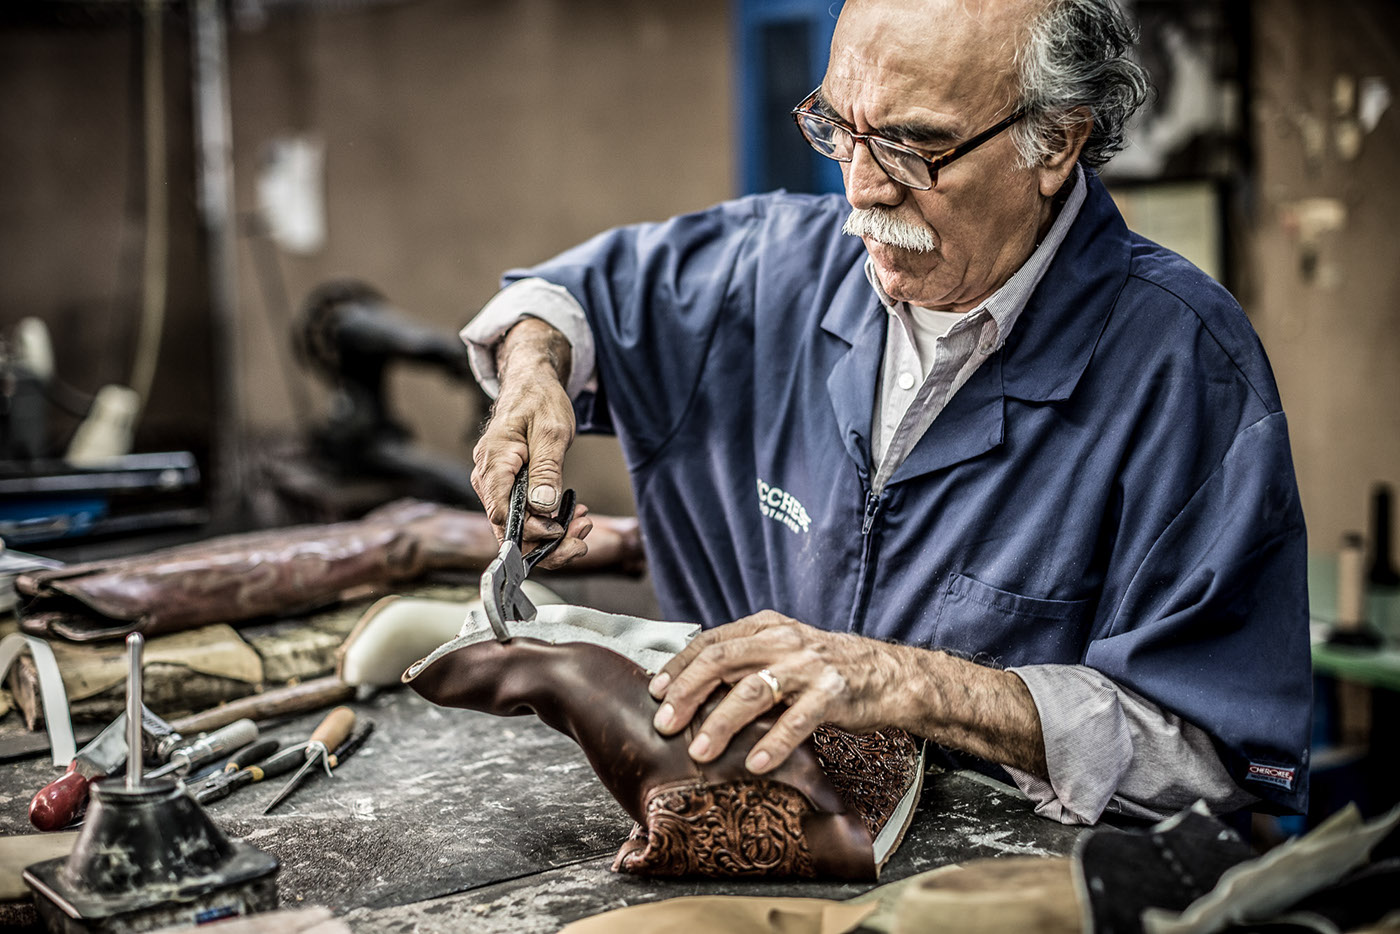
60	802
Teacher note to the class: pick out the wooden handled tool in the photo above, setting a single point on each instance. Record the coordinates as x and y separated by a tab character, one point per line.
329	733
279	702
333	730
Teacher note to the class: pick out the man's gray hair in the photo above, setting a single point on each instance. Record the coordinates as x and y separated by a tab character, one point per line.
1076	56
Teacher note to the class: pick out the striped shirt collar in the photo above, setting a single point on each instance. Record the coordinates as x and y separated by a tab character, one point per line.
1006	303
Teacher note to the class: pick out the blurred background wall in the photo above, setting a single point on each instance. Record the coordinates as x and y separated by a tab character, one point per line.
461	138
465	138
1322	263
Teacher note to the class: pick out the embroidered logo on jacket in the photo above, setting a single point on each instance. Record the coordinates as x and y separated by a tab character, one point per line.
783	507
1271	774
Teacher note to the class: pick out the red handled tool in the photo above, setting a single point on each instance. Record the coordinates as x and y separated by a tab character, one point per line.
63	799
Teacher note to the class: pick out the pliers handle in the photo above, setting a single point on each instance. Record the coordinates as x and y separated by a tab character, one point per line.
501	594
515	520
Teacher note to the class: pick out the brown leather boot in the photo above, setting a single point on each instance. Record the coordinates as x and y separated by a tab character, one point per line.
715	818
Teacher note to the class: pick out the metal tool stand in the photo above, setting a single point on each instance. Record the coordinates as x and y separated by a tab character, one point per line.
148	856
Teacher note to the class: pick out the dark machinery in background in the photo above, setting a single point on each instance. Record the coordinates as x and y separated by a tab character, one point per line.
362	453
86	484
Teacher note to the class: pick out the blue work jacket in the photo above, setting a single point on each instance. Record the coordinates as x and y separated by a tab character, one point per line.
1112	488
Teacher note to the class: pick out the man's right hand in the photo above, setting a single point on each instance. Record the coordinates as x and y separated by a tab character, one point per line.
531	423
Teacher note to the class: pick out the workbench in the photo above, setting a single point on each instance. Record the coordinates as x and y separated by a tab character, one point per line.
452	820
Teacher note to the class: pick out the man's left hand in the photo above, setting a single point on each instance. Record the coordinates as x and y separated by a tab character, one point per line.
846	680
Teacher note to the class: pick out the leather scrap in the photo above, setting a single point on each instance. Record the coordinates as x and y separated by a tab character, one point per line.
50	688
22	850
213	650
1365	897
1262	889
1120	874
727	914
242	577
990	896
984	896
182	672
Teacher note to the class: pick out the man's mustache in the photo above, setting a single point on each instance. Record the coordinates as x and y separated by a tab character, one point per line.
884	225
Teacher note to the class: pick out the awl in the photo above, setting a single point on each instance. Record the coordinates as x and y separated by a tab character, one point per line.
329	733
221	786
207	748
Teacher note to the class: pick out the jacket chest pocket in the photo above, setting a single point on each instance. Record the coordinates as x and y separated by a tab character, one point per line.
988	624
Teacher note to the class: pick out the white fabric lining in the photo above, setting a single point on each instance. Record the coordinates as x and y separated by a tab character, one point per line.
51	692
650	643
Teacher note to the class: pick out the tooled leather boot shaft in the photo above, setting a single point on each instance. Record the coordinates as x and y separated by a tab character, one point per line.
715	818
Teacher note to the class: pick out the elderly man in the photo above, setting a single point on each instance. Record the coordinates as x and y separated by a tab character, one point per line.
998	472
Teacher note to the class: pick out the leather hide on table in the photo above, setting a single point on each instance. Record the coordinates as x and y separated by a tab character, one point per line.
241	577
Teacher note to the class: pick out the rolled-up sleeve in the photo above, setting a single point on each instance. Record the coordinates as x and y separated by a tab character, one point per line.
530	298
1109	749
653	296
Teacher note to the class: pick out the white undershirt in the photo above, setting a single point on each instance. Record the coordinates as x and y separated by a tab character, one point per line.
930	354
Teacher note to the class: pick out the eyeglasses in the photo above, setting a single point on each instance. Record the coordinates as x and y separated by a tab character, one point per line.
836	140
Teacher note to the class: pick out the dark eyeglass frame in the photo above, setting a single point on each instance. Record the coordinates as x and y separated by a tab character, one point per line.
934	163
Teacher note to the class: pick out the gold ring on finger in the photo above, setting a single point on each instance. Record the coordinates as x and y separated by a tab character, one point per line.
768	678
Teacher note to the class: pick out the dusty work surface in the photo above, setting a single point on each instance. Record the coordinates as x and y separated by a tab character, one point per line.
453	820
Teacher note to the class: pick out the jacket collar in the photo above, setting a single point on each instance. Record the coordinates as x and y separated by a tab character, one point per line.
1088	270
1042	360
1054	339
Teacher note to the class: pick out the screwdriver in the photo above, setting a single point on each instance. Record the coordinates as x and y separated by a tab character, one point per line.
348	748
250	755
329	733
207	748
